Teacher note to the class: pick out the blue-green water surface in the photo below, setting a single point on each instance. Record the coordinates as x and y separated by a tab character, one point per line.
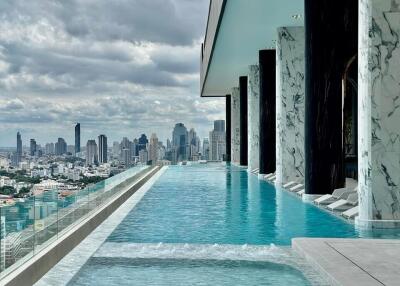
224	205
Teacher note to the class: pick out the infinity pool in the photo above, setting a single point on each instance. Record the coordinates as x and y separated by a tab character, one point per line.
211	225
225	205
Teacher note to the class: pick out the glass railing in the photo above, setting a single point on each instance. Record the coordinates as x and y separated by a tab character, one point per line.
31	224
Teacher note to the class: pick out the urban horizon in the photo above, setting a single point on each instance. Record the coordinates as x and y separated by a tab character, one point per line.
84	138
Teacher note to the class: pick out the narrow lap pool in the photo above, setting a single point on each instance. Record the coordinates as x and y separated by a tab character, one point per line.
211	225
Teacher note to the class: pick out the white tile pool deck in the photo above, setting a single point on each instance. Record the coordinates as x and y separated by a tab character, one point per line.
366	262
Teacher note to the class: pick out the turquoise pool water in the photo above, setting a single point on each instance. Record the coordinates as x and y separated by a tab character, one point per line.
187	272
225	205
211	225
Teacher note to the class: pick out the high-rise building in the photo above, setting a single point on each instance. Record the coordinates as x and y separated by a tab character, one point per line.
126	151
126	157
33	147
153	149
143	156
18	154
49	149
180	142
77	138
91	153
103	149
142	142
61	147
116	149
218	141
206	149
135	147
219	125
169	145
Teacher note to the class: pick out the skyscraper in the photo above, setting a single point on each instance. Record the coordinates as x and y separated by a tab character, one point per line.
77	138
91	153
19	149
61	146
153	149
218	141
142	142
126	151
143	156
33	147
103	149
206	149
219	125
49	148
180	142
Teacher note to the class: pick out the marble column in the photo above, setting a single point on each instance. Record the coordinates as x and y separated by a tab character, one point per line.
235	126
267	64
228	115
243	121
379	113
331	43
290	105
253	115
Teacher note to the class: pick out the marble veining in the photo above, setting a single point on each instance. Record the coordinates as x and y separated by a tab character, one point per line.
235	125
253	112
290	90
379	111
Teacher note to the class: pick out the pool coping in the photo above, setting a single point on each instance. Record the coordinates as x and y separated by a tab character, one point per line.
347	262
33	269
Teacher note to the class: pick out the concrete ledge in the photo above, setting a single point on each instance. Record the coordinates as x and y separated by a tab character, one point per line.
33	269
349	262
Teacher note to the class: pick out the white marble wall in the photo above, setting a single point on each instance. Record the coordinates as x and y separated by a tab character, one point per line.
235	126
253	113
379	113
290	89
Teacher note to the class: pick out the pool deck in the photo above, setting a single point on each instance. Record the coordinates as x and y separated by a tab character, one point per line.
345	262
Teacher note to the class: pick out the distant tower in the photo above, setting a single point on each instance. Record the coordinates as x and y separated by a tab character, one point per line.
153	149
103	149
180	142
77	138
61	146
33	147
91	153
218	141
19	148
219	125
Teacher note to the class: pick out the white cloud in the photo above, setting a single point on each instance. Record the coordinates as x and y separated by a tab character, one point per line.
117	69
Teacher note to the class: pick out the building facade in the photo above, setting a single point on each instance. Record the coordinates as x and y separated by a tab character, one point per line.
103	149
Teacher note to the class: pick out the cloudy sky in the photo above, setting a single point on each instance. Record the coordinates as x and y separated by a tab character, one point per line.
120	67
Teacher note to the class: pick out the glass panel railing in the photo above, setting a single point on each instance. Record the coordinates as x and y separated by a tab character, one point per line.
28	225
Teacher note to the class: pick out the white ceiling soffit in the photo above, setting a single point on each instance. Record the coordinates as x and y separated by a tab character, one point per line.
247	26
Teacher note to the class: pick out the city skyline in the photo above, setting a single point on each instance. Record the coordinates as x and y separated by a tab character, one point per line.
69	135
55	72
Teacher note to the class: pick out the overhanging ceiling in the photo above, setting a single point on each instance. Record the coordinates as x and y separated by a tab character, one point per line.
246	26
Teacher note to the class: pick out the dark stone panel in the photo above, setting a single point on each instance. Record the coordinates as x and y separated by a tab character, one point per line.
267	63
331	42
228	128
243	121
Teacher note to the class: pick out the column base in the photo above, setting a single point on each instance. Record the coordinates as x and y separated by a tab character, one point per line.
261	176
309	198
376	224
